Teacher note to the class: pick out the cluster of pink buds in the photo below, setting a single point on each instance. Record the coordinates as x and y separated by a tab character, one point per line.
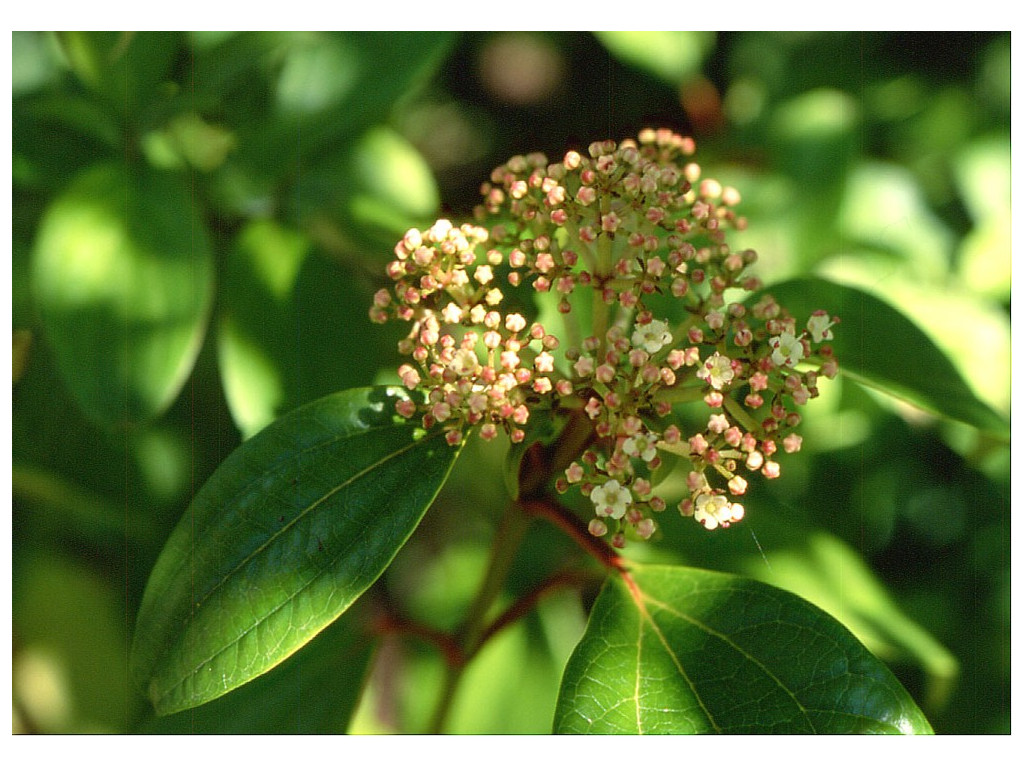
631	238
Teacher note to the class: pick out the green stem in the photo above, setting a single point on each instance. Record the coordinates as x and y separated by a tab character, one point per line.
507	538
736	411
682	394
599	325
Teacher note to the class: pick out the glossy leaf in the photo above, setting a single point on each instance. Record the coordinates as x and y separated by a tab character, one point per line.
783	546
287	533
687	651
122	277
315	691
881	348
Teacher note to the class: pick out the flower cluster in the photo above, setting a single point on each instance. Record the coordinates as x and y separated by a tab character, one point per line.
631	237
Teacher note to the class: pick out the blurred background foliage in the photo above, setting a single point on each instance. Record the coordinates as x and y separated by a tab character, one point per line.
200	221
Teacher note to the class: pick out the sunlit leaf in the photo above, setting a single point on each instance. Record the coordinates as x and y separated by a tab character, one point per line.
880	347
68	670
257	325
670	56
884	208
293	326
371	190
281	540
338	84
689	651
122	277
784	547
983	176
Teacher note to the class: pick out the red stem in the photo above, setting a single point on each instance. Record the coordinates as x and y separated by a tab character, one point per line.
445	642
563	518
527	602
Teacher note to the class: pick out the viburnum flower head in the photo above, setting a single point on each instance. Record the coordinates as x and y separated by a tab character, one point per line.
628	241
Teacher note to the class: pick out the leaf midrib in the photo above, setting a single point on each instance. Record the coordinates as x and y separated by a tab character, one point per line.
645	614
351	479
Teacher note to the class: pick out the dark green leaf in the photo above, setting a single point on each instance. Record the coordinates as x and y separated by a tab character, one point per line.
313	692
122	278
56	136
287	533
688	651
124	67
879	347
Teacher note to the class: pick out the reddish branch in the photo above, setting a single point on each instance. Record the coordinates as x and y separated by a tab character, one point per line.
527	602
445	642
569	523
448	644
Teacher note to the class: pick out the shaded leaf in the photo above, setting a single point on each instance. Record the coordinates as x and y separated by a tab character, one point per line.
881	348
293	326
281	540
122	277
124	67
315	691
691	651
824	570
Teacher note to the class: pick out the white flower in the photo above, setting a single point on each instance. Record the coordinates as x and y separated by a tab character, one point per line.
652	337
440	230
787	349
465	362
716	370
611	499
643	446
544	362
483	274
713	510
452	313
819	325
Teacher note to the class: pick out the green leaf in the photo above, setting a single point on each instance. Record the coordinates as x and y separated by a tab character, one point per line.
334	84
55	136
670	56
124	67
292	527
315	691
122	278
293	326
879	347
372	189
826	571
686	651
